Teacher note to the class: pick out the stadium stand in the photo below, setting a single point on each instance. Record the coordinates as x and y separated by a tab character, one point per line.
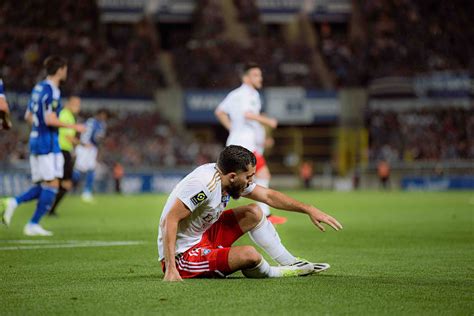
101	62
445	134
120	59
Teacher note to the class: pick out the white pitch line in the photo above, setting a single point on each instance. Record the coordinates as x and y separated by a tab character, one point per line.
24	241
82	244
53	241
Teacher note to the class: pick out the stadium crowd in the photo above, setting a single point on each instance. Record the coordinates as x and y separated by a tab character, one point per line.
101	61
160	143
445	134
284	64
135	139
407	37
123	59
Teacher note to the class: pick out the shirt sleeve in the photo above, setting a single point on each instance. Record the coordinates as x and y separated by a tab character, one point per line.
193	194
227	104
249	189
47	100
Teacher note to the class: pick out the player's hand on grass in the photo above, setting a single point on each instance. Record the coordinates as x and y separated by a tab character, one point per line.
318	217
172	275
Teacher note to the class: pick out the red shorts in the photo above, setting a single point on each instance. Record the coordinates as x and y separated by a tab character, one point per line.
210	257
261	162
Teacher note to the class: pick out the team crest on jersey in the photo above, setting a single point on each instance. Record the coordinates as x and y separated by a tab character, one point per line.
198	198
205	252
225	199
54	104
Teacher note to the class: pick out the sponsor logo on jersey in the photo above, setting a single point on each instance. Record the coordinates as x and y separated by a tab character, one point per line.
205	252
208	218
198	198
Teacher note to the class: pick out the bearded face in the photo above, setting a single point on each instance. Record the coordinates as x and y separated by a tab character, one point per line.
236	188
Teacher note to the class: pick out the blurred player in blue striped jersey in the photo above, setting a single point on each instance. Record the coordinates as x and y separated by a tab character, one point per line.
46	160
87	150
5	122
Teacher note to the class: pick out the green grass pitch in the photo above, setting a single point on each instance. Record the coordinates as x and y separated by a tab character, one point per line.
399	253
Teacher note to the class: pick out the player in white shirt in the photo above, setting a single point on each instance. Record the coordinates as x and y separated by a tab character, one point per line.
196	234
240	114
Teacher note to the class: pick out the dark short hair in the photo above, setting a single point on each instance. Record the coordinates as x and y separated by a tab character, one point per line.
104	111
53	63
247	66
235	158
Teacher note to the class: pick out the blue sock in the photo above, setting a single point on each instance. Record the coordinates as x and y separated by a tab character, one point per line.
89	181
45	201
32	194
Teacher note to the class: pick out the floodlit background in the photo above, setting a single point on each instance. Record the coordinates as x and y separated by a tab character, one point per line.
352	83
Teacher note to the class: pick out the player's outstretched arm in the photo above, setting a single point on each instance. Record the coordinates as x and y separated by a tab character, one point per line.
52	119
284	202
177	213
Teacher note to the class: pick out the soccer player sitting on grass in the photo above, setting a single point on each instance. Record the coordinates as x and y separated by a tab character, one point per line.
196	235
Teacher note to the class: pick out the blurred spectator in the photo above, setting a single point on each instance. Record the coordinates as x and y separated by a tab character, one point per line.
306	173
383	172
118	175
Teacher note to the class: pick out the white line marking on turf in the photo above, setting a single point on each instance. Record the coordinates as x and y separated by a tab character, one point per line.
68	244
58	241
24	241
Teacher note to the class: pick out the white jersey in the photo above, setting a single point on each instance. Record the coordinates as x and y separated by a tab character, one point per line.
238	102
260	138
201	192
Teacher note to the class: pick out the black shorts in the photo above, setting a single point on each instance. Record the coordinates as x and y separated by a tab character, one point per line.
68	165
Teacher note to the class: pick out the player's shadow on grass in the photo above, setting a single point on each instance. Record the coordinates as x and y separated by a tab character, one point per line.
239	276
128	276
334	278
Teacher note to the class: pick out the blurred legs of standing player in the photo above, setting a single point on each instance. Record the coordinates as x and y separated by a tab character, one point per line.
85	165
87	151
65	183
262	178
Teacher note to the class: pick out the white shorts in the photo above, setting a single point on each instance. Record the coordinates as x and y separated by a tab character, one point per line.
46	167
86	157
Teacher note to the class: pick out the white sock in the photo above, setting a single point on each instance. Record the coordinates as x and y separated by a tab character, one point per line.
265	270
266	237
13	202
264	183
262	270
